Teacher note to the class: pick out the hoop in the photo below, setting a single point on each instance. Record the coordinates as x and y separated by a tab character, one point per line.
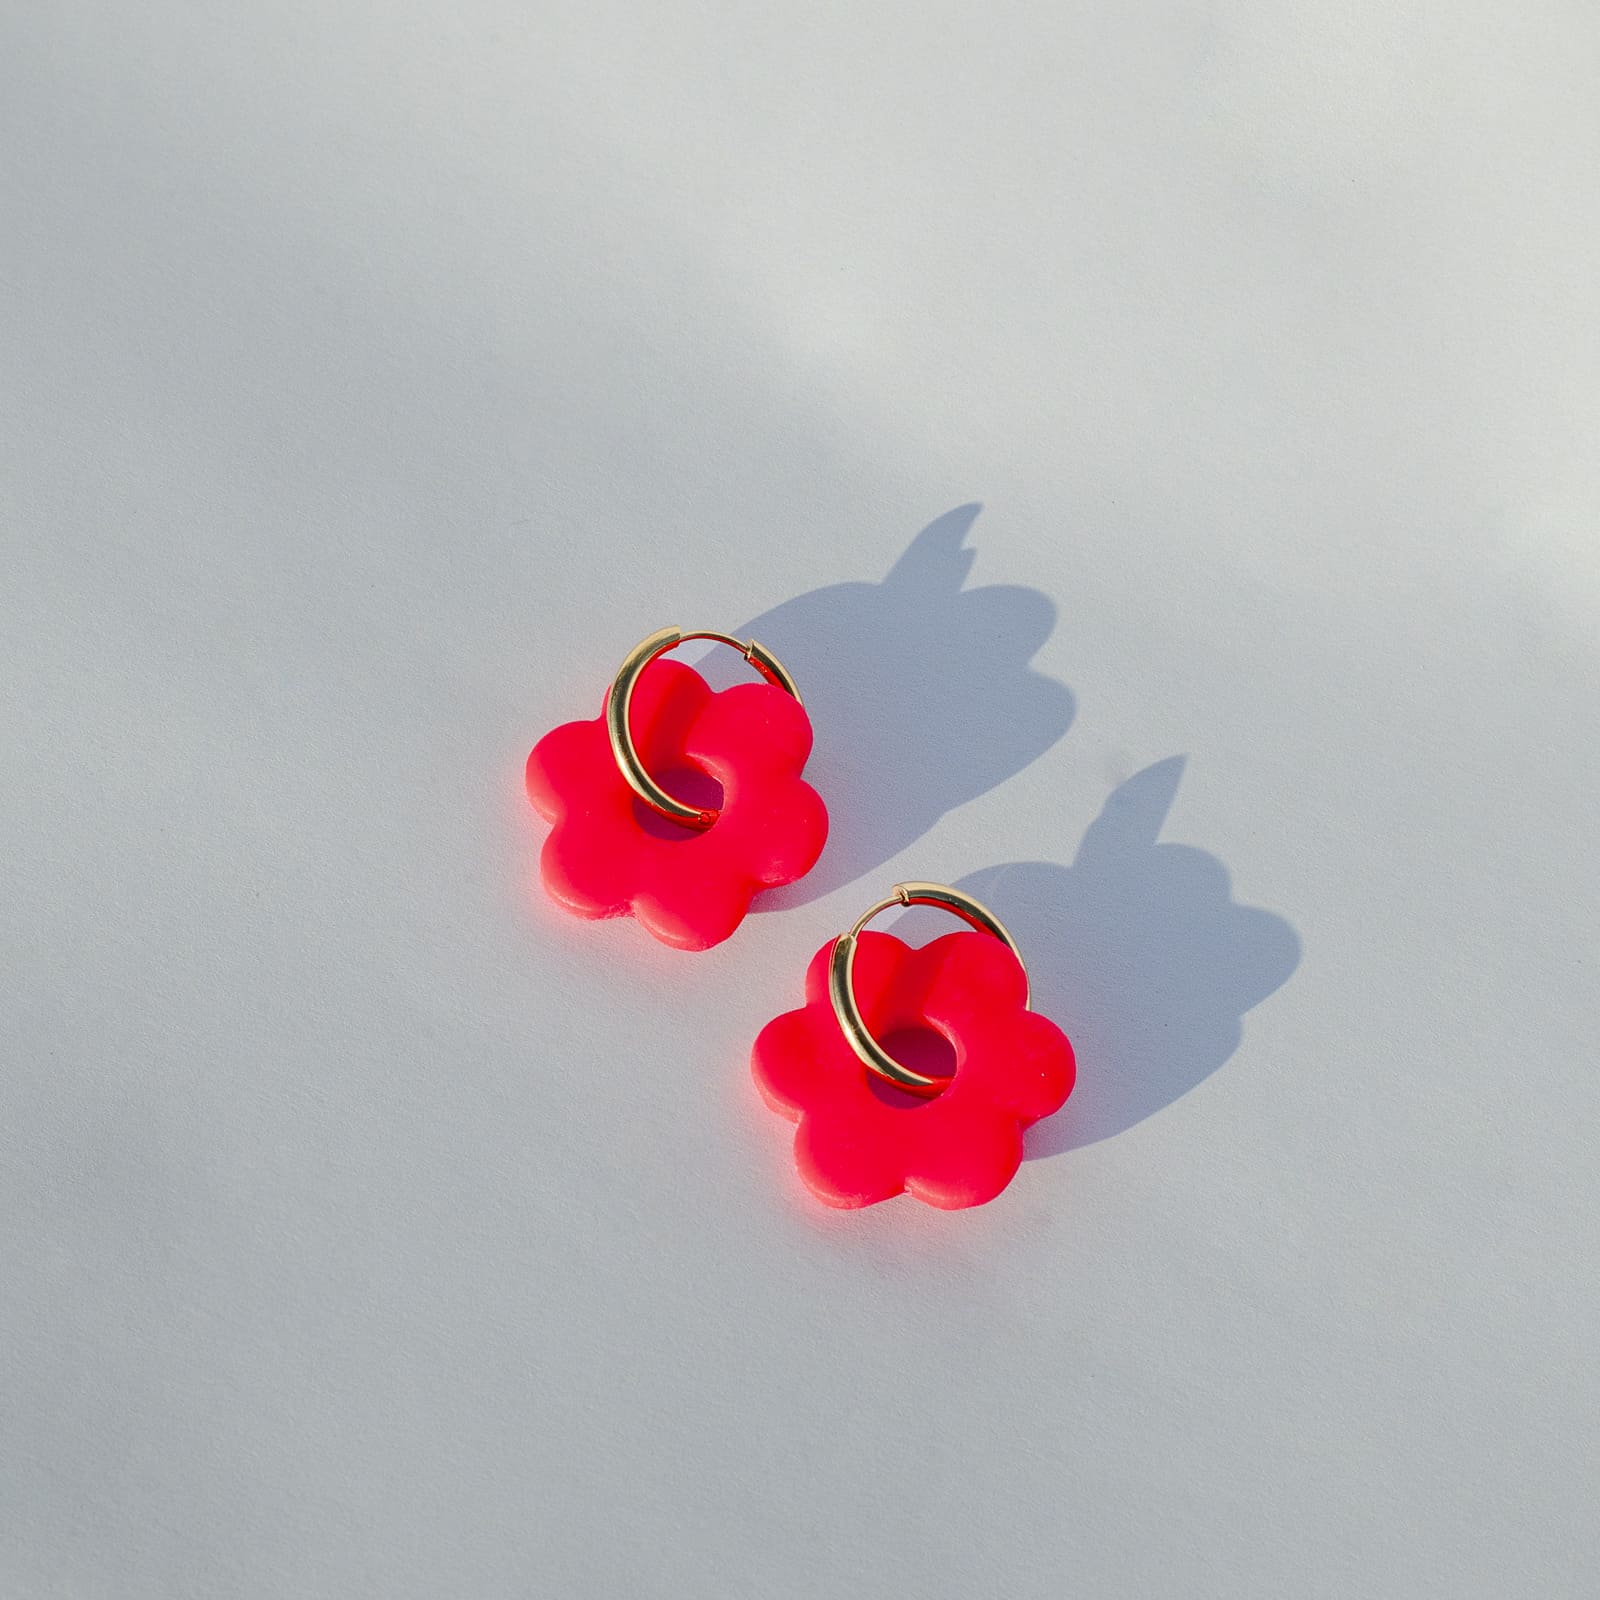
841	975
620	700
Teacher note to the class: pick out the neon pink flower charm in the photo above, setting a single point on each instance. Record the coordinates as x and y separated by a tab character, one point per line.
962	1147
690	891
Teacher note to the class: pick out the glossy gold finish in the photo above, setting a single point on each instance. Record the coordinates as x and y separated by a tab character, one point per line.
841	975
620	700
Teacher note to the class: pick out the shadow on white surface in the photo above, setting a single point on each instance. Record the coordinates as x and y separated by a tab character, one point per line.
921	694
1140	952
923	698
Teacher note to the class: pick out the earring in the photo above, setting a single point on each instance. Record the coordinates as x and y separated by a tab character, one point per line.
959	1141
622	843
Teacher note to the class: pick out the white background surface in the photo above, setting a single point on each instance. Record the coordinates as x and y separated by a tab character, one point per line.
375	375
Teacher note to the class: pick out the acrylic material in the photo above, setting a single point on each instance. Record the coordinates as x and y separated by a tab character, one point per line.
854	1145
689	892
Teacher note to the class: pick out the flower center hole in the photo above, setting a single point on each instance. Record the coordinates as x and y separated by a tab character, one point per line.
691	785
924	1050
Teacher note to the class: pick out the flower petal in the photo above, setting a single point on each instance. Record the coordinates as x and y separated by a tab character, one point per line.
685	913
756	729
845	1161
962	1160
668	698
787	1061
566	766
755	739
793	832
1026	1064
878	975
588	869
970	978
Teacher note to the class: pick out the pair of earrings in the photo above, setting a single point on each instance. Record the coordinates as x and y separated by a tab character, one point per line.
691	881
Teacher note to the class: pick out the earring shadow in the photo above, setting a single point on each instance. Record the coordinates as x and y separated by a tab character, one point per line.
1140	952
921	695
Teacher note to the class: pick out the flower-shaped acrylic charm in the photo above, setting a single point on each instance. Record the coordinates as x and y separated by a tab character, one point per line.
690	879
960	1142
